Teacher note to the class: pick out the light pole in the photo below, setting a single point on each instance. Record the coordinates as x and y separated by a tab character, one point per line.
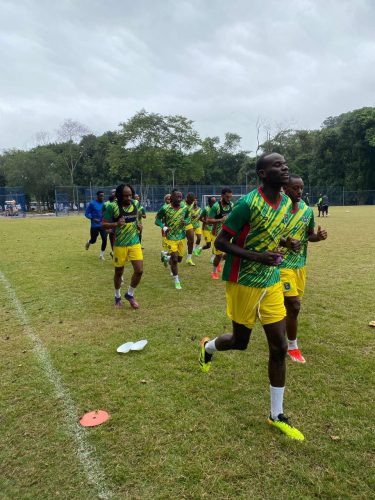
173	170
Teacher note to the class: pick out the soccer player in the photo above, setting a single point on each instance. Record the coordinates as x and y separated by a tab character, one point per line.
319	204
165	252
216	216
207	228
189	203
195	220
292	269
141	214
174	219
251	236
94	212
111	233
121	215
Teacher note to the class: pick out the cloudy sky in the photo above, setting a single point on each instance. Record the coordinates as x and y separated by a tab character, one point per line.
222	63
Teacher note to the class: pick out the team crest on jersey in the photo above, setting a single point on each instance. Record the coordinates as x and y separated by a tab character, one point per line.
285	218
287	287
305	219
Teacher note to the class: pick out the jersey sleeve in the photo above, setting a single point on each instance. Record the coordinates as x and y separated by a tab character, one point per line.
88	211
238	218
187	218
159	219
108	213
213	211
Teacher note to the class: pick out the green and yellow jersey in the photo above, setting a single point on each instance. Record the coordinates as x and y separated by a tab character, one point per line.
126	235
176	219
257	225
300	224
217	211
195	213
140	213
204	214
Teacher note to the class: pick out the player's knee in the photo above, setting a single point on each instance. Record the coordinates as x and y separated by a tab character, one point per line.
278	351
240	343
293	307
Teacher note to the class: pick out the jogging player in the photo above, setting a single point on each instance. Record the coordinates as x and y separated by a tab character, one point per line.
111	232
292	269
195	220
94	212
251	236
207	228
121	215
216	216
174	219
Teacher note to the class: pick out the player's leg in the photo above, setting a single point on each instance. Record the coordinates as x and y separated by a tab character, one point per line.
198	239
216	265
293	306
207	239
174	260
117	280
94	233
104	236
134	282
190	246
237	340
272	314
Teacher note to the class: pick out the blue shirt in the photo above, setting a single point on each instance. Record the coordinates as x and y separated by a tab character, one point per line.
94	210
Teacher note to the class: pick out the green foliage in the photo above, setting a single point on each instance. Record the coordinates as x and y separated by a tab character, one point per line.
150	148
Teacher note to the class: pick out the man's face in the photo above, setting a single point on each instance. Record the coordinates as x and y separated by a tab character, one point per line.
136	197
112	195
276	172
226	198
100	197
212	201
294	190
190	199
127	196
168	199
176	198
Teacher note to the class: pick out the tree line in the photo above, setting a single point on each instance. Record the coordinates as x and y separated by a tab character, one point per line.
150	148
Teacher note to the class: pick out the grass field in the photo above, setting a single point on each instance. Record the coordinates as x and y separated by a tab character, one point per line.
175	432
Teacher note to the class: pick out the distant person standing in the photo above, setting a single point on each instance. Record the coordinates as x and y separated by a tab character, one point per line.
319	204
324	205
111	232
94	212
306	199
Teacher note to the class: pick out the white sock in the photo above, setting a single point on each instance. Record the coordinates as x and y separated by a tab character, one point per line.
277	397
189	256
210	346
131	291
215	269
292	344
101	253
164	252
212	258
117	293
168	258
176	278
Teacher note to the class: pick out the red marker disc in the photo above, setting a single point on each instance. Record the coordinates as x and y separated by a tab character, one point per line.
94	418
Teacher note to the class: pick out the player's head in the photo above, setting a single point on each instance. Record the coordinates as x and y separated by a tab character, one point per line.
272	169
226	195
190	198
294	188
211	201
176	197
137	197
167	198
124	194
112	195
100	195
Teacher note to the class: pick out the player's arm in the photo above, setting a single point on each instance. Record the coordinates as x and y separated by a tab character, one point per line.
203	216
160	218
290	244
211	216
88	211
234	225
108	221
187	218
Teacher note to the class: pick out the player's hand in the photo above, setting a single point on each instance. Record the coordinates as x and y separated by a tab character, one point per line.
165	230
293	244
321	234
270	258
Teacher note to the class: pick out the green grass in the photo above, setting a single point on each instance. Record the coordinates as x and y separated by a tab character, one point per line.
183	434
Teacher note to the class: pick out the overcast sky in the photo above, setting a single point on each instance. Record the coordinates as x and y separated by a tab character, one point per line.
221	63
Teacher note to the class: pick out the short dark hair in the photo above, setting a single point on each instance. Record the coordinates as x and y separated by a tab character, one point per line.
99	192
294	176
261	162
175	190
210	198
226	190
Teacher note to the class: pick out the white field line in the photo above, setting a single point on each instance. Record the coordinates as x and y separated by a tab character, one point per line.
85	452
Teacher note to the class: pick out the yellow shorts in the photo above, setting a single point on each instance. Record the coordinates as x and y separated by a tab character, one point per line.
176	246
245	304
294	281
198	230
215	250
125	254
189	226
207	236
164	243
